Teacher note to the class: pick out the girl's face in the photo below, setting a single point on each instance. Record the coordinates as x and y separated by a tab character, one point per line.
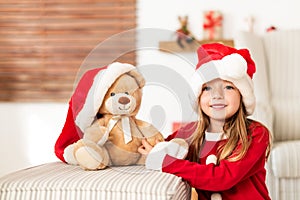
220	99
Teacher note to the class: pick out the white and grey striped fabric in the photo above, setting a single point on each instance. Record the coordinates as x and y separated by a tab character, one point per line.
277	81
59	181
283	57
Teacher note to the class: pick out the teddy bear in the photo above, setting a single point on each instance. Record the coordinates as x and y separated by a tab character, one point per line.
101	127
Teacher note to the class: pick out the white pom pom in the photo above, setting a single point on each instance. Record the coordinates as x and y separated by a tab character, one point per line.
216	196
233	66
211	159
69	155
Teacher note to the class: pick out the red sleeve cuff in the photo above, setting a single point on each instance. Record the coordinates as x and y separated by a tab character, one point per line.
168	163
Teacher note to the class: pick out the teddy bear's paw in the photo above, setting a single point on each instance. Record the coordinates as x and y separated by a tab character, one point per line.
69	155
91	157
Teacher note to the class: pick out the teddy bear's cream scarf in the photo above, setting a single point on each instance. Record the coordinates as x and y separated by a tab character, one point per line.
125	128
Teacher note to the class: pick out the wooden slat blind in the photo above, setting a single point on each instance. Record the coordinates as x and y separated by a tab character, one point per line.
44	42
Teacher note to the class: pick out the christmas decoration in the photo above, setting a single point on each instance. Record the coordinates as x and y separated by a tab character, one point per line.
183	33
212	26
271	28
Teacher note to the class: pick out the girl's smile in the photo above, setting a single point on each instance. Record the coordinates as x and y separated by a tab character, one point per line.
218	106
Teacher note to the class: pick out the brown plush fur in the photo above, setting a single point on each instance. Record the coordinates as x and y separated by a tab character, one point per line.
92	156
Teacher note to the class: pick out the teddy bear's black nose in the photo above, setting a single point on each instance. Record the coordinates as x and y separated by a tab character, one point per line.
124	100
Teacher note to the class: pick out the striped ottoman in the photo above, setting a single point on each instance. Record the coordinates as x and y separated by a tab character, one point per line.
59	181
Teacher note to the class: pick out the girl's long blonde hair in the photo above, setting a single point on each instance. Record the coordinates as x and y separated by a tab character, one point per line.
235	128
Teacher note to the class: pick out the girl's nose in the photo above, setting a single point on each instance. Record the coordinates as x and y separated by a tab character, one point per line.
217	93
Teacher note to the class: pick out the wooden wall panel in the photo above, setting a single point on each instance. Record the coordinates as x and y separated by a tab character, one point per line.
43	44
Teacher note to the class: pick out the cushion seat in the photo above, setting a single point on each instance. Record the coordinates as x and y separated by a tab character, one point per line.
61	181
285	159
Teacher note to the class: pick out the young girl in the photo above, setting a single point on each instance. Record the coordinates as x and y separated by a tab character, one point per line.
227	151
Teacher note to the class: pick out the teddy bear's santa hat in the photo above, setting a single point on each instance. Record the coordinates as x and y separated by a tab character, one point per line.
216	60
86	101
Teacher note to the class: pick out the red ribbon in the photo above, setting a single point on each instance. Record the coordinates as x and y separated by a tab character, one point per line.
211	21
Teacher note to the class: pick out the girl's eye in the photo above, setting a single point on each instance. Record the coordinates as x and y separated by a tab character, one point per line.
112	94
229	87
206	88
127	93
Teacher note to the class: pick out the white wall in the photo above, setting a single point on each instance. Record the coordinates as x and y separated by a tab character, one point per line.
28	131
283	14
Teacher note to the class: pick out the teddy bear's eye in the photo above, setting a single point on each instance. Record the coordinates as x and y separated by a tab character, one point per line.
127	93
112	94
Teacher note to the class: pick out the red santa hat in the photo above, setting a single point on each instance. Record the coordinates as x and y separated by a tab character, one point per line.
235	65
86	101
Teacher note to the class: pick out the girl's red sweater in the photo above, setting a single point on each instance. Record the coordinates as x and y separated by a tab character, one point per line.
242	179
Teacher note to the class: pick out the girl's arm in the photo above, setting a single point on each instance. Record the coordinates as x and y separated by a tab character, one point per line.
184	132
226	174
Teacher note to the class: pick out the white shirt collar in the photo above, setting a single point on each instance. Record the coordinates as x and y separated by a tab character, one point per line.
209	136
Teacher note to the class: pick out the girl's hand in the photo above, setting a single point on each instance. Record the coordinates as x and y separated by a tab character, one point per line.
146	147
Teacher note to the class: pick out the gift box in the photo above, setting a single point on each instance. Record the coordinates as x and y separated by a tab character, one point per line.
212	25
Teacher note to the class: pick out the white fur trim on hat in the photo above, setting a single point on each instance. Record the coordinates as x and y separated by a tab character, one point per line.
102	82
231	68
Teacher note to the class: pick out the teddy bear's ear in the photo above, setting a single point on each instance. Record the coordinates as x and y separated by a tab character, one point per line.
138	77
